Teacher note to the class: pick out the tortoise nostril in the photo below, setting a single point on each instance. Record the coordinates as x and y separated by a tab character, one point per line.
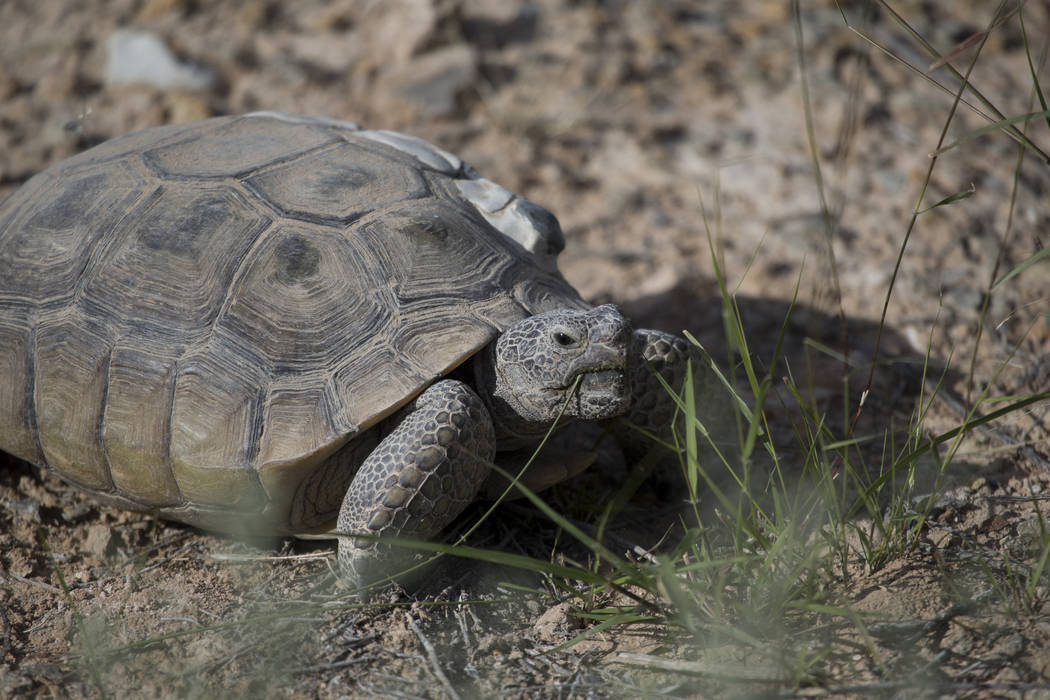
609	325
611	333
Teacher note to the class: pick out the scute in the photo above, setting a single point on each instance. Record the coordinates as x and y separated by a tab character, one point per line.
426	153
376	380
16	402
167	267
72	364
337	185
135	424
428	249
47	240
295	419
132	144
297	428
216	418
296	260
227	147
433	339
305	298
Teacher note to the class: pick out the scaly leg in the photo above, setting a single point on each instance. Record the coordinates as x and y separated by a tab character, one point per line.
655	352
652	408
417	480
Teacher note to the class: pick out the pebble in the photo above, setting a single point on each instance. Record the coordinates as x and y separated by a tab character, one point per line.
8	86
141	58
185	107
98	539
434	80
554	623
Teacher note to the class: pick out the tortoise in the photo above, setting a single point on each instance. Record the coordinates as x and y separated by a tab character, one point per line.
266	323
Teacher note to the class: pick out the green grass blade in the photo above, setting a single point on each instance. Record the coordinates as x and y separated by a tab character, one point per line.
1027	263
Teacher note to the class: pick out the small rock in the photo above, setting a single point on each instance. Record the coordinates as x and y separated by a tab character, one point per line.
27	508
141	58
74	512
19	564
330	51
435	79
942	539
554	623
1010	647
155	9
58	83
400	30
98	540
497	23
8	86
185	107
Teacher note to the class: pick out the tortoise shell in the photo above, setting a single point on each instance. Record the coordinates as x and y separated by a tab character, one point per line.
194	317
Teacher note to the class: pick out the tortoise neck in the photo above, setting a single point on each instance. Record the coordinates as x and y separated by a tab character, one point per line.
512	430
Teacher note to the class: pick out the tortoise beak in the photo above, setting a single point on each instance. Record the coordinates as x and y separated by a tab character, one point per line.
609	385
602	394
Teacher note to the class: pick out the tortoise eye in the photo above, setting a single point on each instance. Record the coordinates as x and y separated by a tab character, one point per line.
564	339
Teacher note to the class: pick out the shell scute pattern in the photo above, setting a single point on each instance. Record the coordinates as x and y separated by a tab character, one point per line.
337	185
228	147
135	424
303	295
71	362
194	318
166	269
49	248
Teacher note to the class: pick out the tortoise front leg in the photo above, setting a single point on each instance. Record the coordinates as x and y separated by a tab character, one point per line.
417	480
655	353
652	408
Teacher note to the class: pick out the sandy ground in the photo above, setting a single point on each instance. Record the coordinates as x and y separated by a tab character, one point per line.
643	125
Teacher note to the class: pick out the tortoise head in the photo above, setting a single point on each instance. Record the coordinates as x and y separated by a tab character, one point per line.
539	359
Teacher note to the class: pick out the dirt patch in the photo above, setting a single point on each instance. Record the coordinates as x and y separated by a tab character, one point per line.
622	117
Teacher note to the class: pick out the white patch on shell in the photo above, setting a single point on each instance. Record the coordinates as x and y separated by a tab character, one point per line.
305	119
426	153
485	194
506	212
